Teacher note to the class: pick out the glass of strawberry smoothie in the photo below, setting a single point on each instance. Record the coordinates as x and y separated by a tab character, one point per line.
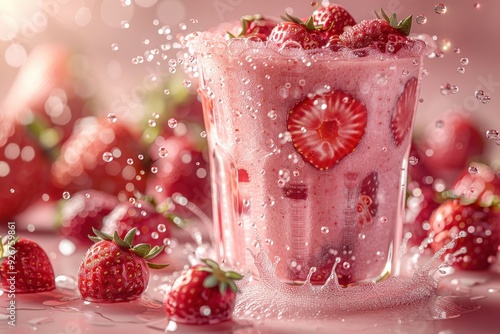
308	149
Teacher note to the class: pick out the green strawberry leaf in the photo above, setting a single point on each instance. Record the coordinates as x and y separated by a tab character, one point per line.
142	250
155	251
210	281
119	241
129	237
102	235
156	265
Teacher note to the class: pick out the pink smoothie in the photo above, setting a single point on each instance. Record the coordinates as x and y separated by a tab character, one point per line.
267	195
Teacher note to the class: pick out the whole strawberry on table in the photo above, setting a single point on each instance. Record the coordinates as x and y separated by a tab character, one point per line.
203	294
25	267
114	270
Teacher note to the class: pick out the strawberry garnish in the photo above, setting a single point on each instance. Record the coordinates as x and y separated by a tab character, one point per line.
386	34
204	294
402	117
327	127
293	31
113	270
332	18
480	224
26	266
256	25
368	203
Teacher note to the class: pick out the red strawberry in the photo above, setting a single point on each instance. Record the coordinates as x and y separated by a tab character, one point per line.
323	136
402	117
24	169
332	18
113	270
101	155
26	266
449	144
204	294
481	225
84	211
386	34
420	205
152	227
257	25
44	94
479	183
184	170
293	30
368	203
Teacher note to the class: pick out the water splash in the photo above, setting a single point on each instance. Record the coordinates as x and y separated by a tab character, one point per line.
412	297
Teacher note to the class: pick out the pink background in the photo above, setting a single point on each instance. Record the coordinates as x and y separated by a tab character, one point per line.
91	27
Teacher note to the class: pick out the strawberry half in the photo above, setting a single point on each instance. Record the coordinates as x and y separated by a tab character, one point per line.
204	294
113	270
402	117
25	265
385	34
481	225
327	127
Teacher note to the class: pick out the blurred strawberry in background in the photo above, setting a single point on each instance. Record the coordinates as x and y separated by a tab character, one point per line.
50	93
24	169
447	145
104	155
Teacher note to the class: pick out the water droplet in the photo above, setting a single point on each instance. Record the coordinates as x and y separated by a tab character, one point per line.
154	169
421	19
479	94
477	5
166	92
114	47
492	134
158	188
346	265
325	230
473	170
172	123
162	152
186	83
112	117
413	160
464	61
461	70
125	24
130	161
440	9
66	195
445	88
151	123
272	114
203	134
457	50
383	219
107	156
